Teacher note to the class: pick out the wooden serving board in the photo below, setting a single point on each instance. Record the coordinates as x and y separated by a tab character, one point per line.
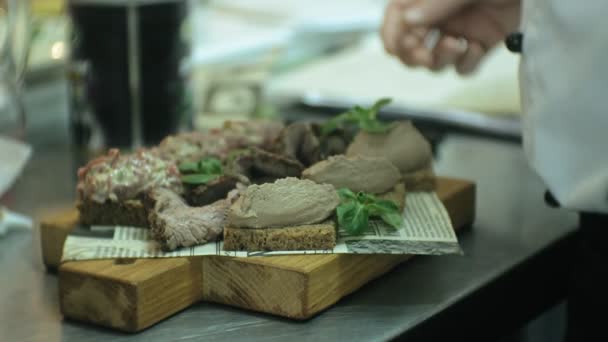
133	294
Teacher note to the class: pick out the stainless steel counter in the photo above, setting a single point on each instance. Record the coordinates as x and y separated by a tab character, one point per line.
512	267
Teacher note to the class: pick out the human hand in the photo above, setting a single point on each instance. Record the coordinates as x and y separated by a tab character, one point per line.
465	30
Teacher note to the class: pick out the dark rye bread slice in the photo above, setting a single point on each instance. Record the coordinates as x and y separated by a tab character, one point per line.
296	238
109	213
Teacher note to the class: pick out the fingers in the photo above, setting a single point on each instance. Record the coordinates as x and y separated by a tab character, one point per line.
448	50
431	12
408	25
470	60
464	56
412	51
393	25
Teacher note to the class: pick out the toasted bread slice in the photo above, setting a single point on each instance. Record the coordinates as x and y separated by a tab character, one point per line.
126	213
295	238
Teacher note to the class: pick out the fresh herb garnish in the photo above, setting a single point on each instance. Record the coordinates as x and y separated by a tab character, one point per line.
202	172
365	118
186	167
356	209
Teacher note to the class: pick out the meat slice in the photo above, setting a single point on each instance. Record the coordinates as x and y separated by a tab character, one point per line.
218	142
200	195
286	202
119	177
275	165
299	142
404	146
333	145
368	174
260	166
246	133
193	146
174	224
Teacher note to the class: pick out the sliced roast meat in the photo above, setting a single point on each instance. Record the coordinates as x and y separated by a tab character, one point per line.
193	146
298	141
403	145
248	133
200	195
274	165
368	174
174	224
260	166
218	142
286	202
333	145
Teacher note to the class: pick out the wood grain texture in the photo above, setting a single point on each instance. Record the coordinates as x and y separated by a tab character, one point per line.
130	295
255	286
54	230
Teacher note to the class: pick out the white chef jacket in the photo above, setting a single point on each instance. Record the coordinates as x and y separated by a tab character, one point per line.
564	82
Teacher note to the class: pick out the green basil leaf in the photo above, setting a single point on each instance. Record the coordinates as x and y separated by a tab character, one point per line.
359	113
331	125
386	206
360	220
198	178
336	122
366	198
364	118
345	212
210	165
388	211
375	210
188	167
375	127
378	105
394	219
353	217
347	194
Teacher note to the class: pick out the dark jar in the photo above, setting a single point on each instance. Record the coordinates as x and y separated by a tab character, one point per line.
125	73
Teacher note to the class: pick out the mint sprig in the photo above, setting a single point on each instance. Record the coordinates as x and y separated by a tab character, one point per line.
365	118
201	172
355	210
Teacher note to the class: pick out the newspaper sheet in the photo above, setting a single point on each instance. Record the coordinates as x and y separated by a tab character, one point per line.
426	230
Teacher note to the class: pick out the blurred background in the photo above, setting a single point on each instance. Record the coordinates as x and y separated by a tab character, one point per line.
260	58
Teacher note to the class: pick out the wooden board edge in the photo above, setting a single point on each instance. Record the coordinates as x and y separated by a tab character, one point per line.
54	231
461	206
90	299
128	304
252	286
153	304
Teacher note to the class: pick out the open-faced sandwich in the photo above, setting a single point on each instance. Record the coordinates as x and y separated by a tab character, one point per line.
262	186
